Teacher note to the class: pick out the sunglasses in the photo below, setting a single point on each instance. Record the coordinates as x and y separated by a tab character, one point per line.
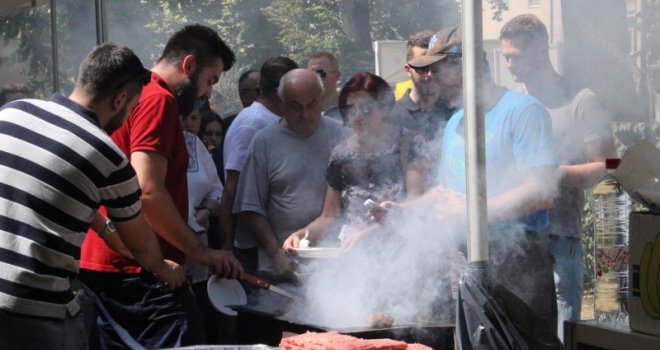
321	73
359	109
451	59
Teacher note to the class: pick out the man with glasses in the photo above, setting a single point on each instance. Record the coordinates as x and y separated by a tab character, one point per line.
324	64
432	99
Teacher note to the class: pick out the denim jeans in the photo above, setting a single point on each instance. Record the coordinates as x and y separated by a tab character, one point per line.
18	331
569	279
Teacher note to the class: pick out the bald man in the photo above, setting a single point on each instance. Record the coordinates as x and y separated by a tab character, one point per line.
282	186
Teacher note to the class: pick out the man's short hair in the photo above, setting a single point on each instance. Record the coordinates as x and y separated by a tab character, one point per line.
525	30
420	39
200	41
242	80
324	54
272	71
108	68
282	93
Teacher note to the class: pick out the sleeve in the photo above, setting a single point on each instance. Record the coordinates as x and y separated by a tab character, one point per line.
532	138
334	173
237	146
153	125
121	194
206	162
594	117
417	148
253	184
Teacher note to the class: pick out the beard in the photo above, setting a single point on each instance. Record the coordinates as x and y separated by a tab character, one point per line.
186	94
116	121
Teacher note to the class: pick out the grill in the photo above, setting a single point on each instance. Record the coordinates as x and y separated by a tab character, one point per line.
256	325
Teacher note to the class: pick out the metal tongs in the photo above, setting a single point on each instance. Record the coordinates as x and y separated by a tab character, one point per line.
258	282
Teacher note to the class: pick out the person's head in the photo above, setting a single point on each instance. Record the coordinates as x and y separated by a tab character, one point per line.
416	47
211	129
301	92
14	91
191	121
364	101
201	56
271	73
216	102
443	61
111	78
248	87
325	65
524	45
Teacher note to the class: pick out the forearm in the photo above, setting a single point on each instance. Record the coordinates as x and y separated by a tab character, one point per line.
141	242
262	230
225	211
581	175
112	240
163	217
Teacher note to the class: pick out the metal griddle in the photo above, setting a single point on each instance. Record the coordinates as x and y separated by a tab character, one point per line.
258	325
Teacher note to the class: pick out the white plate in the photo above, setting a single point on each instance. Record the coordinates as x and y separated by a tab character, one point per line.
223	292
318	252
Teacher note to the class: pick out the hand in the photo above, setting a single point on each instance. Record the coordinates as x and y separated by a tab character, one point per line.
379	212
203	216
171	274
293	241
224	264
283	263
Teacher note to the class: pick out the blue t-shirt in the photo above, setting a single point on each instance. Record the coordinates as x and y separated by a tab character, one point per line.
518	136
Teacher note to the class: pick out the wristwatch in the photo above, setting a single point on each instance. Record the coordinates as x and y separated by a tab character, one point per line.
108	229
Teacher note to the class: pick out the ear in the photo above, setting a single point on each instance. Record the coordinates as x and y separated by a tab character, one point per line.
407	69
119	100
188	64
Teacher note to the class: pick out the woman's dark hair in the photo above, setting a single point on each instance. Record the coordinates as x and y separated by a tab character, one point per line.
209	116
376	86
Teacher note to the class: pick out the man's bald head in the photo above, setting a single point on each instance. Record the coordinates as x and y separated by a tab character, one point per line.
301	92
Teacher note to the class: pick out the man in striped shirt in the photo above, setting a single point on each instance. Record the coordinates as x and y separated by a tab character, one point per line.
57	166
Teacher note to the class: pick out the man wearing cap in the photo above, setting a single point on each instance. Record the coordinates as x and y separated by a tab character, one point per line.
324	64
519	167
582	141
433	97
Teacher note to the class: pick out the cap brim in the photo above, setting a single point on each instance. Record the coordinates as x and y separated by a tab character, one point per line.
425	60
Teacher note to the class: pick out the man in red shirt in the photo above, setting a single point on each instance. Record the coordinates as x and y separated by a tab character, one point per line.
135	307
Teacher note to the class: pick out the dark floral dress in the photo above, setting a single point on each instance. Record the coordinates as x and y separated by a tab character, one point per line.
378	176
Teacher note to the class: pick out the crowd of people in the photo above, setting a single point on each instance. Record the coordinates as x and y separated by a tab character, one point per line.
137	175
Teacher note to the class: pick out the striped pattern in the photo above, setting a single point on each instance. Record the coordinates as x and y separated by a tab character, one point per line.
56	167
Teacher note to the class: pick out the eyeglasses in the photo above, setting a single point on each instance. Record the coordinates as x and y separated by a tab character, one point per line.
451	59
321	73
359	109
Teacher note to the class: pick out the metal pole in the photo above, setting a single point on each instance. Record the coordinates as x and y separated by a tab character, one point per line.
477	221
101	26
55	45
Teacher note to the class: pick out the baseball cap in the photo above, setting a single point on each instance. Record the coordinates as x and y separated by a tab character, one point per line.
446	42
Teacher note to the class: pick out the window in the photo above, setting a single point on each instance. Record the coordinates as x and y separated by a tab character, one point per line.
534	3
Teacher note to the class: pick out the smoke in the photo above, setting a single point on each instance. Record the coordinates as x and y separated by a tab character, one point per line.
403	271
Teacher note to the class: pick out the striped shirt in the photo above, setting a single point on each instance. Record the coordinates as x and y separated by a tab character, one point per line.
56	167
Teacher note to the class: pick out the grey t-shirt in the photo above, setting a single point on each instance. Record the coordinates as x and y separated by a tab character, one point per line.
575	124
283	178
